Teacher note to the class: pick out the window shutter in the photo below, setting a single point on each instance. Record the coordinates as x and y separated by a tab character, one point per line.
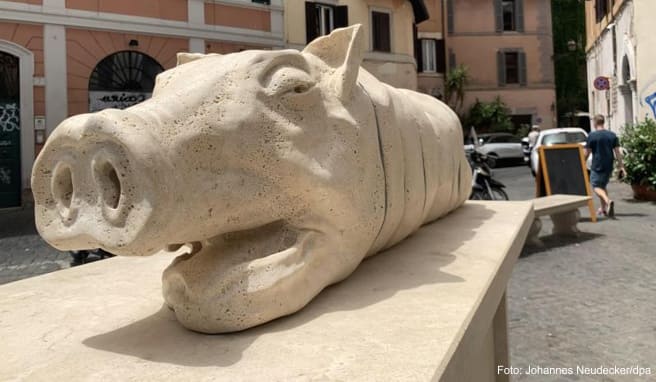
310	22
498	15
452	60
522	68
449	15
440	56
419	54
341	16
519	15
501	68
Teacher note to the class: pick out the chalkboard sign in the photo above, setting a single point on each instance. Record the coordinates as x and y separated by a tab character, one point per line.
562	170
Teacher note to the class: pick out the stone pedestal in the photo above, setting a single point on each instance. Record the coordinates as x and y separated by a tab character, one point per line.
430	308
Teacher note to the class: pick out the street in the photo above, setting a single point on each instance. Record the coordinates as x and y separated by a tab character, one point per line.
22	251
587	301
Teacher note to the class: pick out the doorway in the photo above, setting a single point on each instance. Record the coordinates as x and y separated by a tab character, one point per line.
10	131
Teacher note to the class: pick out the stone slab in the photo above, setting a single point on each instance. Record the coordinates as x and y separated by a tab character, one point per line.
554	204
421	310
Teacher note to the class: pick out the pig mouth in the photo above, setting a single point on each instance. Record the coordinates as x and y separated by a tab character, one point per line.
235	264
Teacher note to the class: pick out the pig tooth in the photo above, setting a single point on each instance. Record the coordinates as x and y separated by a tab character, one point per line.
173	247
195	247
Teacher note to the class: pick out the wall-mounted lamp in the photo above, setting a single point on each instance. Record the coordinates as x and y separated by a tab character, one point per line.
133	43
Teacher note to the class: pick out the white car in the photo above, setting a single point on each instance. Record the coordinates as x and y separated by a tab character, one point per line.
499	146
562	135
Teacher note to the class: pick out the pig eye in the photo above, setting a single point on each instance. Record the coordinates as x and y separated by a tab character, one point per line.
301	88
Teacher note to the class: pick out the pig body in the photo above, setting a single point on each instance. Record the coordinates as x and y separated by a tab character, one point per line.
279	170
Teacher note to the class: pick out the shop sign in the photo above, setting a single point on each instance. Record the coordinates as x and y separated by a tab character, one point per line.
100	100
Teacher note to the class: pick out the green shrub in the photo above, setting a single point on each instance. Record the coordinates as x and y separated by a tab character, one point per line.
639	141
490	117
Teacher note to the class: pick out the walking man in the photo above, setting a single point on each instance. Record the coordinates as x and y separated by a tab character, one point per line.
533	136
602	144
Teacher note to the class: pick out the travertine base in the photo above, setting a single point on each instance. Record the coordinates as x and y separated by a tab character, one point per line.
430	308
565	223
534	233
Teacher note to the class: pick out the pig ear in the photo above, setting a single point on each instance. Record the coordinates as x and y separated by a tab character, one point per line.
342	50
184	57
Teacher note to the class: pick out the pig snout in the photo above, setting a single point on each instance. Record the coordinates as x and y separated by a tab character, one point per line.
93	184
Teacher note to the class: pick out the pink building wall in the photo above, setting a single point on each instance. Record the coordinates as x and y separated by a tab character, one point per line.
86	48
161	9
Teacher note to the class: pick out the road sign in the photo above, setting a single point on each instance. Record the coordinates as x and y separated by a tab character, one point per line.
602	83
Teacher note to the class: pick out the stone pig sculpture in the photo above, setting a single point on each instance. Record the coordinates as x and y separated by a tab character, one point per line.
280	171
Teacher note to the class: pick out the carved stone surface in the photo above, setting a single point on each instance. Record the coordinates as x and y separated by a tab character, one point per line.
280	170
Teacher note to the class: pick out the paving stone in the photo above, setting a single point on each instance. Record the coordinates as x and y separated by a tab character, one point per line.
589	301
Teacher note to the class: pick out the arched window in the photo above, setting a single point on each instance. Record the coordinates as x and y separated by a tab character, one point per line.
122	79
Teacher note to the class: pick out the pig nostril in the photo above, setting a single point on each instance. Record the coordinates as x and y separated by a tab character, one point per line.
110	185
62	186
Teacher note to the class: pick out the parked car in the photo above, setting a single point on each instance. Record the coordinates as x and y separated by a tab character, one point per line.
498	146
562	135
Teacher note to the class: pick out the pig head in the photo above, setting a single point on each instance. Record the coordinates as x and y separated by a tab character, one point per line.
267	166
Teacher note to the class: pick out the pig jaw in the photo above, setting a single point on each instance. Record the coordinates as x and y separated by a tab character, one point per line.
239	280
94	185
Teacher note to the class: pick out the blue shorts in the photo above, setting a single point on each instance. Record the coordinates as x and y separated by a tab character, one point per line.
599	179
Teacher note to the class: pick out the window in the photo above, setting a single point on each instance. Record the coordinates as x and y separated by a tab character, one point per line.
601	8
511	64
429	58
512	67
380	29
321	19
508	15
325	19
121	80
564	137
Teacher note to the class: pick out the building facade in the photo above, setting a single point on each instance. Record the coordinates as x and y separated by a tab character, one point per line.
508	49
620	61
389	25
64	57
430	52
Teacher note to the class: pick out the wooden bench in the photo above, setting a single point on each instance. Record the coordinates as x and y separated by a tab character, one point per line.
564	212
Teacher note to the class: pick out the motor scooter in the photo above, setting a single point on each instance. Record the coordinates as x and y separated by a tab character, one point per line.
484	187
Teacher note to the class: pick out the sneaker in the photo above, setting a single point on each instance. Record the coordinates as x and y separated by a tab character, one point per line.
611	209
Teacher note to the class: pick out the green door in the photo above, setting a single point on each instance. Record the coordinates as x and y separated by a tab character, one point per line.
10	166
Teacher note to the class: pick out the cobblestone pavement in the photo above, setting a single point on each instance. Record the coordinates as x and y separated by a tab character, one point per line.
589	301
22	251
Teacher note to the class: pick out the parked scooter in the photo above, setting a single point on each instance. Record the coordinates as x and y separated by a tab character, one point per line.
484	187
82	256
526	150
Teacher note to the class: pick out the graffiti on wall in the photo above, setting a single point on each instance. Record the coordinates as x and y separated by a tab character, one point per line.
5	175
650	100
9	118
100	100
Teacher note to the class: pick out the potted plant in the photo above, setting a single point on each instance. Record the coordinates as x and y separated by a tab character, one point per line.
639	141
